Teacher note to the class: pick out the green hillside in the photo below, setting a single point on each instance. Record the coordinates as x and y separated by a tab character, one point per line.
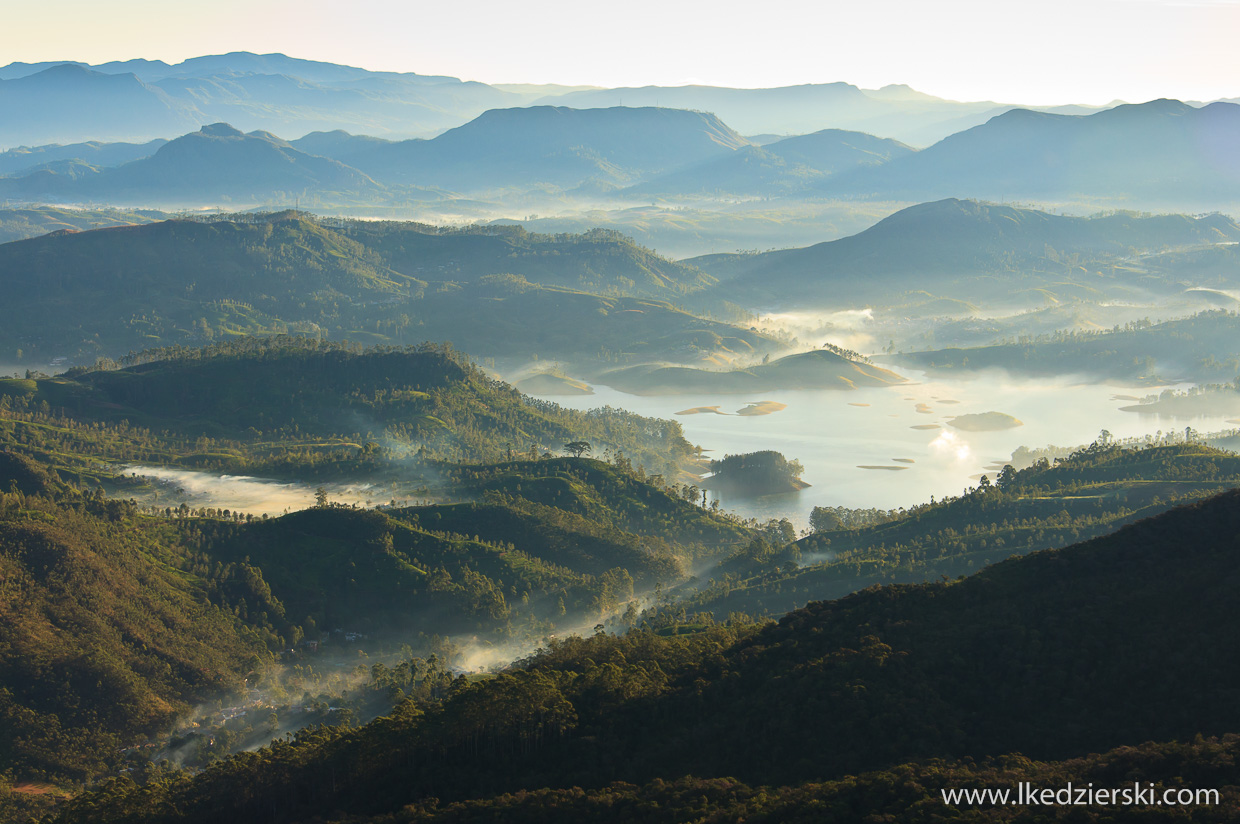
600	260
19	224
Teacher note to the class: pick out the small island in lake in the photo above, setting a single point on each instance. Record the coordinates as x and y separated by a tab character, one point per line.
754	474
984	422
762	408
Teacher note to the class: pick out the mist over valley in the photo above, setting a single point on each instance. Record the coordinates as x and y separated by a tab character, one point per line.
380	446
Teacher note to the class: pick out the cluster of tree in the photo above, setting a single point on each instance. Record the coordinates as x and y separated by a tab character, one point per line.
755	473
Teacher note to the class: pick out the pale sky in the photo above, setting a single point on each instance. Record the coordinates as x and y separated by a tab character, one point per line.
1017	51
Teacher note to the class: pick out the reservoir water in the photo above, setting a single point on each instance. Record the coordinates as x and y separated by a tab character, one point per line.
883	448
903	429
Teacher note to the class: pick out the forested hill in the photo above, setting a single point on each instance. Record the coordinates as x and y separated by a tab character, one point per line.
265	402
944	245
107	292
599	260
1203	347
1053	655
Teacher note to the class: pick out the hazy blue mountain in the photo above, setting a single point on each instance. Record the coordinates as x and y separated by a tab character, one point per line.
27	159
292	96
928	245
558	146
337	144
1163	149
217	161
232	63
273	92
779	167
897	112
399	104
69	103
787	109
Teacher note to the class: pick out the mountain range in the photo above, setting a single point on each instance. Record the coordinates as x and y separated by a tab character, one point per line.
215	162
553	145
69	101
1162	152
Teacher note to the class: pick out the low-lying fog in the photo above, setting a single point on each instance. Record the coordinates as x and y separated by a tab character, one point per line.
245	494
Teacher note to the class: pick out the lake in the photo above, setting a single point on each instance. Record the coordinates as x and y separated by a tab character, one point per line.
833	433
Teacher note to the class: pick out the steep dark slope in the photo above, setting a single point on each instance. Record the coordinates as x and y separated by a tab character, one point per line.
1053	655
101	640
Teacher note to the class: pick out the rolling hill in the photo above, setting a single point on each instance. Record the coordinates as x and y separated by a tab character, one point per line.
1204	347
896	112
82	295
956	248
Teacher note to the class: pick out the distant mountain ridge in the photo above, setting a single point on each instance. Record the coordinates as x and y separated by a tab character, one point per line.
217	161
293	96
1161	149
555	145
783	166
24	160
139	100
520	148
69	103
